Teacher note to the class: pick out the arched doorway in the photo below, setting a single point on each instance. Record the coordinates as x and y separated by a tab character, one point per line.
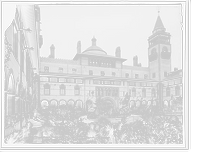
137	103
53	104
71	104
132	104
79	104
62	102
10	108
44	104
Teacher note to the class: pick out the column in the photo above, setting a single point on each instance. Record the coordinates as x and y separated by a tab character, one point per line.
11	104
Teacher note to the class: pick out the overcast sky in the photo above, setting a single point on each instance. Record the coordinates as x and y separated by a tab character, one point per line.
126	26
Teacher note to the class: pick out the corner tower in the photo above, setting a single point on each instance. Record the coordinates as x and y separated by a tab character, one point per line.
159	52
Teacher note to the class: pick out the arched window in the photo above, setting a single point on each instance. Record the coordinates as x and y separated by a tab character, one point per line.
79	104
11	85
62	102
71	103
54	103
167	91
177	90
44	104
164	49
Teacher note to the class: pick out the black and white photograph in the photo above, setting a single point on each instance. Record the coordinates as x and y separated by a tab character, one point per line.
95	75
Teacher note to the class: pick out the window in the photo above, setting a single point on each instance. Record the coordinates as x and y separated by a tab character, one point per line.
167	91
153	75
60	70
44	79
113	74
145	76
90	72
74	70
76	90
165	74
126	75
46	89
46	69
62	91
136	76
62	80
53	79
102	73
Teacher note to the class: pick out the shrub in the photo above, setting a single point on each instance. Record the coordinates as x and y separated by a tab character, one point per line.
91	131
46	130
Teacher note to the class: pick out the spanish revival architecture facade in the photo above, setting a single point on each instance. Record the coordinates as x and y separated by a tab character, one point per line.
95	75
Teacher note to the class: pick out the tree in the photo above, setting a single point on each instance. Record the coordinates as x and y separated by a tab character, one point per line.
63	110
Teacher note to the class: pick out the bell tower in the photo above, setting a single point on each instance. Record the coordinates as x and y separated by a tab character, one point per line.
159	52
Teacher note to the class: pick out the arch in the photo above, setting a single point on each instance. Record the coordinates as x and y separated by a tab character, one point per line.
62	102
107	103
166	103
132	104
149	102
144	102
11	83
138	103
54	103
71	102
44	104
79	104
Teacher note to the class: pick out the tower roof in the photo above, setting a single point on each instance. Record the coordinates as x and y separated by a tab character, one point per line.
159	25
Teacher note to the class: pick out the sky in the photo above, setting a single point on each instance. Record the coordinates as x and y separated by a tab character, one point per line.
126	26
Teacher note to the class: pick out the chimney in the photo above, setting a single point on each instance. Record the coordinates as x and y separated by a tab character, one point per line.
52	51
135	61
78	47
118	52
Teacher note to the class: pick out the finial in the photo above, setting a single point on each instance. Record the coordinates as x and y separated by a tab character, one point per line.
94	41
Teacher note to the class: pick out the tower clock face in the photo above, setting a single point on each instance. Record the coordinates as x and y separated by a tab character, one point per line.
165	53
153	55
